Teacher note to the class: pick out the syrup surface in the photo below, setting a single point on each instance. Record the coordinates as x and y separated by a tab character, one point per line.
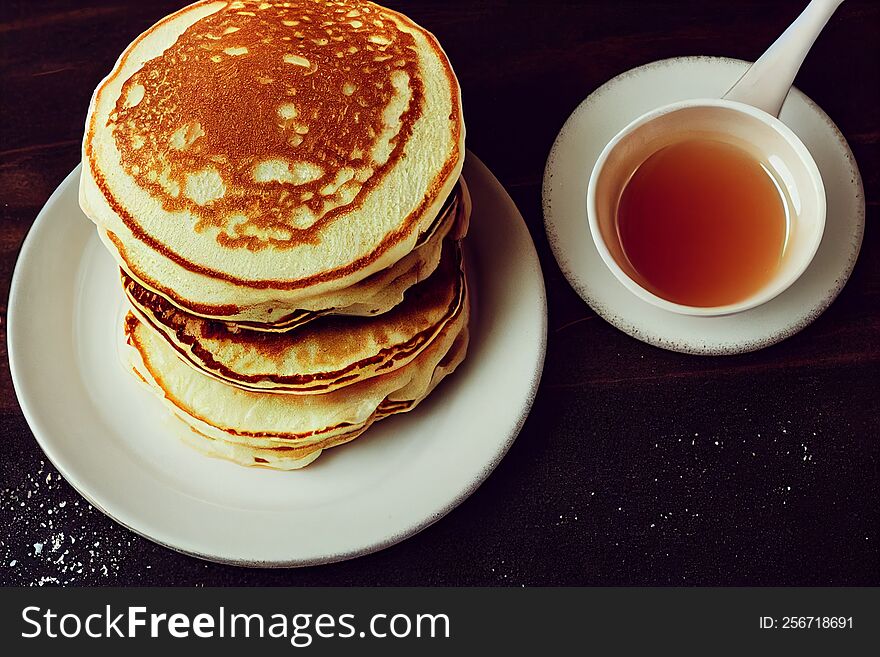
703	223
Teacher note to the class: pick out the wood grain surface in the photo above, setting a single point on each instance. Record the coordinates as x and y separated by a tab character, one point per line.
637	465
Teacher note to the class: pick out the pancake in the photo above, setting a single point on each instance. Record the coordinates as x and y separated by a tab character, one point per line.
278	430
247	156
285	457
374	295
327	354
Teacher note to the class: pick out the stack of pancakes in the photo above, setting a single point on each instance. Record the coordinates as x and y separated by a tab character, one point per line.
280	185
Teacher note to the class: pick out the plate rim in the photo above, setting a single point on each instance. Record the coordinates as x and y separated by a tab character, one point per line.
38	430
687	346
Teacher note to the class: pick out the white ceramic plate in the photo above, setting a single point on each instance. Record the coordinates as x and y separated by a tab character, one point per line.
608	109
113	441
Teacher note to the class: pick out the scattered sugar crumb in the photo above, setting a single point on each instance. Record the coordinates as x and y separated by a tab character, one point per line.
47	543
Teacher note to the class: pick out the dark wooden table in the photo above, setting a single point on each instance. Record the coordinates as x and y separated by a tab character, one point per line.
636	466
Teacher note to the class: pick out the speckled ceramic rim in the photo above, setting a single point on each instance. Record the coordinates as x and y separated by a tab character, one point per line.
526	260
658	336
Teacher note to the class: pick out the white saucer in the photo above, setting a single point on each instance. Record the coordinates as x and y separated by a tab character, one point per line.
620	100
114	442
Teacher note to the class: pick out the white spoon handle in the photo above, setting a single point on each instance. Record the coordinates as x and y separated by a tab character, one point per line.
765	85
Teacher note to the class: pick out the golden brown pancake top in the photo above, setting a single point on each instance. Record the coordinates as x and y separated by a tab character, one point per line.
262	119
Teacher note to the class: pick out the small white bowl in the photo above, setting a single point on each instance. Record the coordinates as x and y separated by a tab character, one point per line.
743	125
